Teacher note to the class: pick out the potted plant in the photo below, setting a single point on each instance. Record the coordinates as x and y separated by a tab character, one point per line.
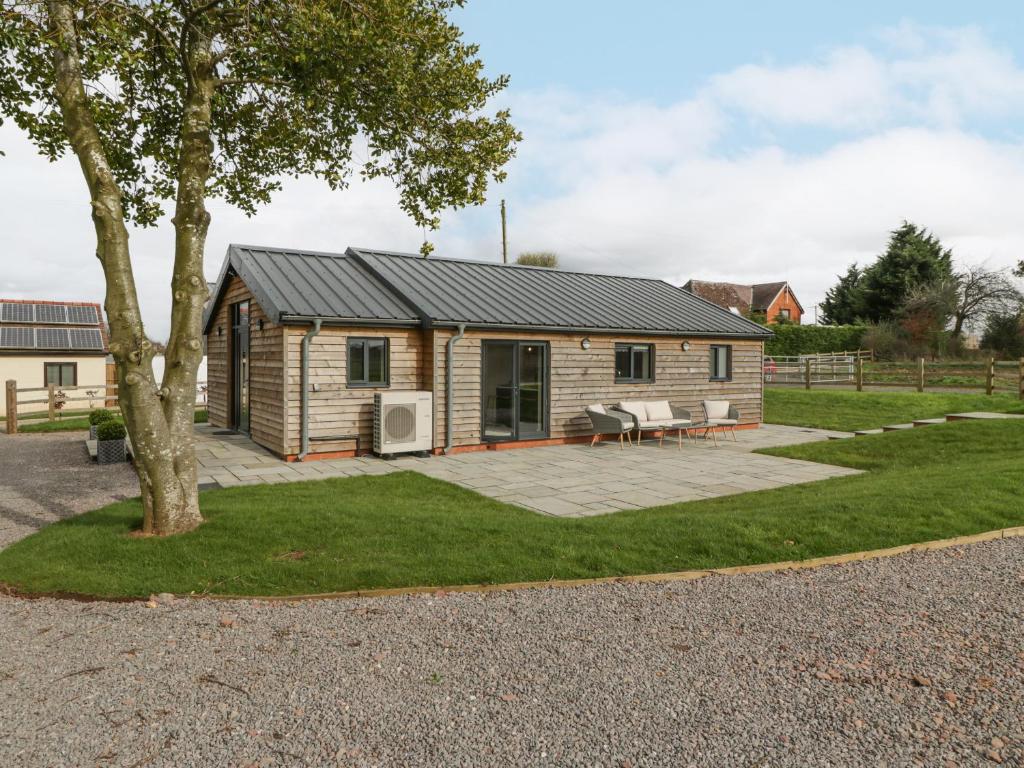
110	447
96	418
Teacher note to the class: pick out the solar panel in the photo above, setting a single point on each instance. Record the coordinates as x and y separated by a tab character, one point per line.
82	315
52	338
15	313
17	338
51	313
85	338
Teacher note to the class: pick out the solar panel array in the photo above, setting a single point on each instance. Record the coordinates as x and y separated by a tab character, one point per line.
17	338
20	337
51	314
16	313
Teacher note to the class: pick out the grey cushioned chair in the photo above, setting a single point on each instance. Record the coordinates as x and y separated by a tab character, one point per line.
608	422
719	413
641	413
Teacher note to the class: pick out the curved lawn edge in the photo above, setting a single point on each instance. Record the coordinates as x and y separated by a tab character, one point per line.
639	578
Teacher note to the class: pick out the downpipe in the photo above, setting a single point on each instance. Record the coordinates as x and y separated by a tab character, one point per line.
449	406
313	331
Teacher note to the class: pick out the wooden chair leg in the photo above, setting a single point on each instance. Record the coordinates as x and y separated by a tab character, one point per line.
621	443
714	437
629	437
733	430
594	441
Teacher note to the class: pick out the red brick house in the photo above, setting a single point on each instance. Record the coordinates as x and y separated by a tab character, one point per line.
773	300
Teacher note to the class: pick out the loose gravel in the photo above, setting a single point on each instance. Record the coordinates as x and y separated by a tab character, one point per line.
914	660
45	477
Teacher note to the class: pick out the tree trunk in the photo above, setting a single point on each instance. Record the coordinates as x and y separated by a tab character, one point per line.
163	456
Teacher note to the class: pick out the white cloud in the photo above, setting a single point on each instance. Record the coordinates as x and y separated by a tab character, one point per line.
618	185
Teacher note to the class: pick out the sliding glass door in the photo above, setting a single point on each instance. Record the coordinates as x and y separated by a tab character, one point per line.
514	390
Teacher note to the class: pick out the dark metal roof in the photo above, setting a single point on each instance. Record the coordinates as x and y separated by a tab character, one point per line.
372	285
289	283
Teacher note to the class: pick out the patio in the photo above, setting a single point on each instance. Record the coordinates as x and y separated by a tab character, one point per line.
564	481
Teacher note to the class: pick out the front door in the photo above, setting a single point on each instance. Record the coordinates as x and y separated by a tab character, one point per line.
515	390
240	366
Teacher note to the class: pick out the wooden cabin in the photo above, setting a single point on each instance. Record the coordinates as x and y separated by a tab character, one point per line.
521	350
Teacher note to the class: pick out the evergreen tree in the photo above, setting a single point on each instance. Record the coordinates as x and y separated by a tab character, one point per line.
843	302
914	258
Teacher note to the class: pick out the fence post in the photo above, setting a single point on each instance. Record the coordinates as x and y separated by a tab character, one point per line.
860	374
12	404
807	373
51	402
920	374
990	376
1020	379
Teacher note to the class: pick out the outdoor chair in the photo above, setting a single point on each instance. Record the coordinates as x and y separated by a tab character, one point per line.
719	413
609	423
657	415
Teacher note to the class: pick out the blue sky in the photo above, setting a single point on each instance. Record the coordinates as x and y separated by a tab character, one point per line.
663	50
665	139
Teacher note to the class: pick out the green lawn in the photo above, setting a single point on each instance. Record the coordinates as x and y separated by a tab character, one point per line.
405	529
77	423
847	410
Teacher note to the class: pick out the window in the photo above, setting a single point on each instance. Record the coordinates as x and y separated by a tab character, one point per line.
784	314
368	362
721	363
60	374
634	362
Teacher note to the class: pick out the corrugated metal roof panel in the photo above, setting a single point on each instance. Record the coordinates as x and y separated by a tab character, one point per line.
482	293
373	285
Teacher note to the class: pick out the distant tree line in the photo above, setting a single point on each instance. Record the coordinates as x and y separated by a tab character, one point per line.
914	301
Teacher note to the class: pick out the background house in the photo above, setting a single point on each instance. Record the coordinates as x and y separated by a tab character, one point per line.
52	342
773	300
522	350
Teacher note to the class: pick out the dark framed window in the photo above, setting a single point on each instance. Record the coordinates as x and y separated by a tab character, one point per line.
368	362
721	362
60	374
634	362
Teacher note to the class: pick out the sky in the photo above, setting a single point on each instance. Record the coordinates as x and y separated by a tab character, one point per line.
744	142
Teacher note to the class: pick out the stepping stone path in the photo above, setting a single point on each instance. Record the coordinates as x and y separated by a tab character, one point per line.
970	416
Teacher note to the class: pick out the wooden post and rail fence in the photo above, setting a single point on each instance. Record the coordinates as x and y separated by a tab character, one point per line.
844	368
48	403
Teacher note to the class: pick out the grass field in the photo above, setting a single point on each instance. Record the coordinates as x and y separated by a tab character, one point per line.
405	529
846	410
77	423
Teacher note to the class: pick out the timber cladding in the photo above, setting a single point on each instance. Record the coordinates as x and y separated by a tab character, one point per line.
337	410
581	377
267	413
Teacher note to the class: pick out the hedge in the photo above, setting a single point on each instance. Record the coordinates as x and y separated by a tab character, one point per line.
809	339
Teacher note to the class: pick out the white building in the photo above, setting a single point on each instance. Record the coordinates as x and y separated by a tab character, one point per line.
52	342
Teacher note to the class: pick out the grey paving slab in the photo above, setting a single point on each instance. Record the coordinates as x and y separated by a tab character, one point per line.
564	481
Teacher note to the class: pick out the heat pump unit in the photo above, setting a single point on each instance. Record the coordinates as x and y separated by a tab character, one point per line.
402	422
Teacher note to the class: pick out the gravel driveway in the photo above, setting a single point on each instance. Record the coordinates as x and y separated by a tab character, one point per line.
46	477
915	660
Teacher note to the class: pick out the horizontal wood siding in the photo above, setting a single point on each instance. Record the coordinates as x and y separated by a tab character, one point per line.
580	377
266	370
335	408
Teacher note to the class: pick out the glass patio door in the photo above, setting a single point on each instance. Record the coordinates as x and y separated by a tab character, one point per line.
514	390
240	365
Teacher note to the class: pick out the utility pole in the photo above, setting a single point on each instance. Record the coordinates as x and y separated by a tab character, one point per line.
504	235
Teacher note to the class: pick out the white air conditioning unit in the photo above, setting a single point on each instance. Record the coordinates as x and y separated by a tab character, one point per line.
402	422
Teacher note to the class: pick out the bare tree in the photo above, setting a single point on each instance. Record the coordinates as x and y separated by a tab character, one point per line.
981	292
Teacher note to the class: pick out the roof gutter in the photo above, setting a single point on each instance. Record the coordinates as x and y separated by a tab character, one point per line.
449	406
313	331
765	334
351	321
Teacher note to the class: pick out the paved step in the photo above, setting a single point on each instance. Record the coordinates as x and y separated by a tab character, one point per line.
861	432
927	422
897	427
844	436
980	415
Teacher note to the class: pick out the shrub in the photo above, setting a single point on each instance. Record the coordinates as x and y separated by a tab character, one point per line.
1004	335
791	339
99	416
112	429
889	341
